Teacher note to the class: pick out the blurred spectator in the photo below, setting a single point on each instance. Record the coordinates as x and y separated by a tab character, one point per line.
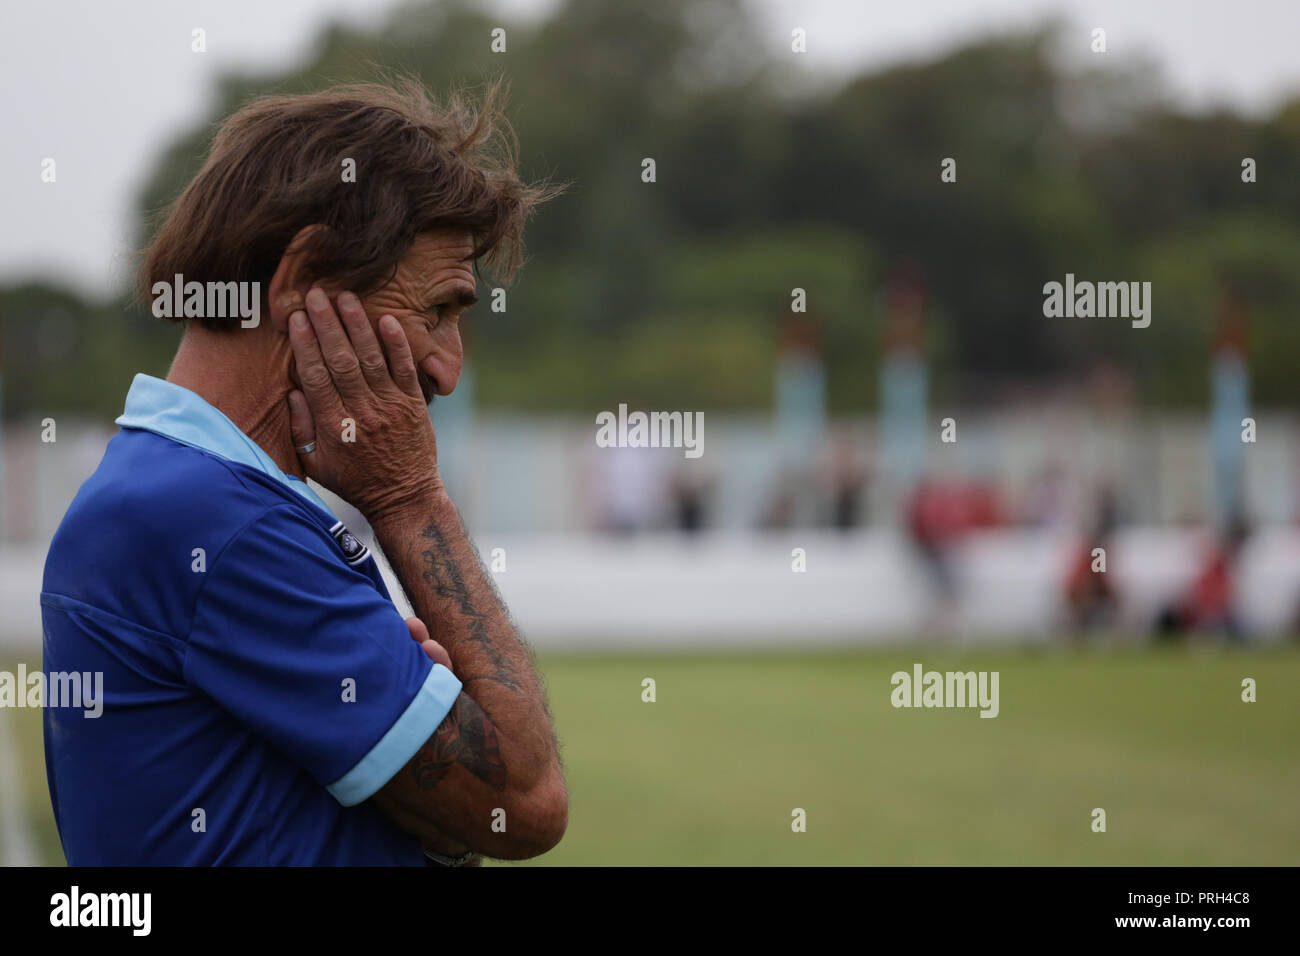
780	510
799	389
1208	606
629	488
904	382
689	490
1229	405
939	514
1090	599
846	481
1050	503
934	522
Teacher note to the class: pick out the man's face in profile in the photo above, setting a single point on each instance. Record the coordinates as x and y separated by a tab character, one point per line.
433	287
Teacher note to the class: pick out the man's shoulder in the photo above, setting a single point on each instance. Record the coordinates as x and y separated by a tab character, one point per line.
152	499
146	474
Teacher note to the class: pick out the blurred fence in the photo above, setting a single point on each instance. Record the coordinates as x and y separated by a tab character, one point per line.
532	487
661	591
522	474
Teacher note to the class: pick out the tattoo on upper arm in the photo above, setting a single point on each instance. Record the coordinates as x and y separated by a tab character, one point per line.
443	574
467	737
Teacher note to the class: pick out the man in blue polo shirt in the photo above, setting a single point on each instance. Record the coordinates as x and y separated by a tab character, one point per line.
258	680
259	685
263	702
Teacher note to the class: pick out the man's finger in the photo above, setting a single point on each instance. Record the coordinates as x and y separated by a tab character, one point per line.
437	653
317	383
340	357
371	358
400	361
419	633
301	427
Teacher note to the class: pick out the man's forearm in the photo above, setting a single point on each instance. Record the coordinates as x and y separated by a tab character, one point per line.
437	565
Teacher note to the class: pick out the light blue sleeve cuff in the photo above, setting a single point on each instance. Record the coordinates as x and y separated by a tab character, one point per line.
408	734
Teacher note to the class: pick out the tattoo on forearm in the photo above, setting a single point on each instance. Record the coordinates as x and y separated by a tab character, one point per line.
467	737
443	574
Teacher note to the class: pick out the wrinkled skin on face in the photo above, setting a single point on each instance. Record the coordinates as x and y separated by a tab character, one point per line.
433	287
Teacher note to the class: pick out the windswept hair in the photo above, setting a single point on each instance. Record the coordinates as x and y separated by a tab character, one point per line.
276	166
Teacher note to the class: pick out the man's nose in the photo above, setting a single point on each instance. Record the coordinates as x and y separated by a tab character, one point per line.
443	363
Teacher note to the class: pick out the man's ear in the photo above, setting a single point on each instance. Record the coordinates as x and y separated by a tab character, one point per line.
287	292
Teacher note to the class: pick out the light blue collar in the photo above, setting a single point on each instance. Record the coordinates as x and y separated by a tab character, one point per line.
170	410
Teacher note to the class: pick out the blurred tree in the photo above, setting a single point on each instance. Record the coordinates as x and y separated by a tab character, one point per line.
767	182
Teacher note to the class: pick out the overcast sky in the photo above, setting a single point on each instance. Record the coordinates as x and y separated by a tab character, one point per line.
102	85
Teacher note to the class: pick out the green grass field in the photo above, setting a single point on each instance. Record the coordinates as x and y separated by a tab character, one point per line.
1187	773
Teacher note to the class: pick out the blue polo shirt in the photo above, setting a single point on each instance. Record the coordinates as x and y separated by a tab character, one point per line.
258	683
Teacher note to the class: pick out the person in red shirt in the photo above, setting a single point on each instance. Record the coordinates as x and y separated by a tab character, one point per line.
1208	604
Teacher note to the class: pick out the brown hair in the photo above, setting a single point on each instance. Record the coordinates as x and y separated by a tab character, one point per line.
276	165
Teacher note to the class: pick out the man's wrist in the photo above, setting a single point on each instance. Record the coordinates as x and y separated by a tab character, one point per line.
409	506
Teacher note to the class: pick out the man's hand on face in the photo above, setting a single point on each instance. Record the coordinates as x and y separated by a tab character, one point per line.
362	406
387	460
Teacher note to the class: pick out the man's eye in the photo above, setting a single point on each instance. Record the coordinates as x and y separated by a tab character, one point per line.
449	311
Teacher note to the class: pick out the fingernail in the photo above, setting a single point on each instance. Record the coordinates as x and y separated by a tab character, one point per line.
317	298
388	324
298	320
